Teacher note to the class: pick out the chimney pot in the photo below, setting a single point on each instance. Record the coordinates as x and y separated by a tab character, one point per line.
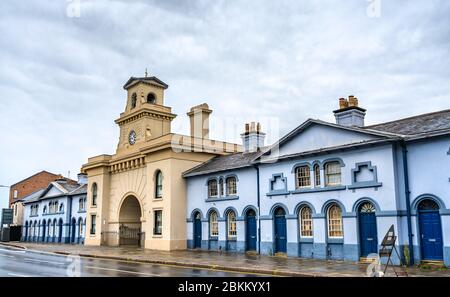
343	103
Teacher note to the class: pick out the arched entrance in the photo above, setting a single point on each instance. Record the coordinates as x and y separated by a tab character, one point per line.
280	230
130	222
197	230
250	228
430	230
73	227
367	229
44	230
60	230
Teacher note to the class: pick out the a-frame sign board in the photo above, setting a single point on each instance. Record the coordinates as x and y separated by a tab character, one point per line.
387	247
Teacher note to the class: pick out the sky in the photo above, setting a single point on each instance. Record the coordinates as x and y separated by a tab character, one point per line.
63	64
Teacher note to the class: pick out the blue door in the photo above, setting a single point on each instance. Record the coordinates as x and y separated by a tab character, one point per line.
280	231
431	235
368	233
251	230
197	231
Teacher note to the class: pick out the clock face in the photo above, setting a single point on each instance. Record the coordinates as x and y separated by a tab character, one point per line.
132	137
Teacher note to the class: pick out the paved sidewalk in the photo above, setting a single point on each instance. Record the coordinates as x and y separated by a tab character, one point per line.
278	266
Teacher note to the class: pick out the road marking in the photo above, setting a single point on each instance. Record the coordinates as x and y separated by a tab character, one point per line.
8	256
120	270
16	274
12	251
43	261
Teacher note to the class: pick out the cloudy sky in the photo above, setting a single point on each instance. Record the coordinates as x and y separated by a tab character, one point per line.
62	67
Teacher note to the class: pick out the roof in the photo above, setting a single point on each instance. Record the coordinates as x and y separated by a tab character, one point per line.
40	172
151	79
419	124
222	163
33	196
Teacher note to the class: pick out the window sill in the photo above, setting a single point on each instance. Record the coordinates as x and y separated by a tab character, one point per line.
213	199
362	185
82	211
157	236
314	190
336	240
306	239
278	193
214	238
232	239
94	206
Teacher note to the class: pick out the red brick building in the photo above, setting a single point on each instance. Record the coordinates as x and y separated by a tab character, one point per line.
31	184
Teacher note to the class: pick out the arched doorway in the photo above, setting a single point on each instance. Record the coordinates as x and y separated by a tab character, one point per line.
130	222
367	229
250	228
73	227
197	230
60	230
44	230
430	230
280	230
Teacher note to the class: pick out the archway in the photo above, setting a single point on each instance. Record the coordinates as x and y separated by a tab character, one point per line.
367	229
130	222
60	230
73	230
280	230
430	230
197	230
250	226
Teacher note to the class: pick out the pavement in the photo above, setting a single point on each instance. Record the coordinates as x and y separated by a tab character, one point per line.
237	263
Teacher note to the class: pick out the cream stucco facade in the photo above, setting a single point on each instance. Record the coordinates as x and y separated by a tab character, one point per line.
127	197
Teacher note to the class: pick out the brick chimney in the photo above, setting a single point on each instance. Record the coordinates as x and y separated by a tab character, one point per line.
199	120
349	113
252	138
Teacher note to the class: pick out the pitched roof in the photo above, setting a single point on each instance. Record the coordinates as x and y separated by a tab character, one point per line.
419	124
222	163
33	196
151	79
36	174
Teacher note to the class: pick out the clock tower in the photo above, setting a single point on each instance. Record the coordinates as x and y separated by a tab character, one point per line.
145	116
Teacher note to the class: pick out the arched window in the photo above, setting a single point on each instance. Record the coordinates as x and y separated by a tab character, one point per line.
335	222
317	175
44	210
231	186
221	187
212	188
231	224
55	209
81	204
213	224
332	173
151	98
158	184
94	194
61	207
306	226
133	100
303	177
55	228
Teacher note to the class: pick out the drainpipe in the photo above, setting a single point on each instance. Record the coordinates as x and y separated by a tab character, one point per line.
408	202
259	207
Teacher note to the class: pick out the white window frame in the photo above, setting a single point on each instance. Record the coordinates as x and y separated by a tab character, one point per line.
329	173
332	227
231	185
303	222
210	188
317	177
213	224
303	175
231	225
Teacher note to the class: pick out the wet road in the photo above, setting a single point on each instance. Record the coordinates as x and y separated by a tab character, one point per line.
22	263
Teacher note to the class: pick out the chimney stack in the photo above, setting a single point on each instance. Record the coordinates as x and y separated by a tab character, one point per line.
252	138
82	178
349	113
199	120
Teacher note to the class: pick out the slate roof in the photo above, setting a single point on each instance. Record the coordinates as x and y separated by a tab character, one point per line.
222	163
424	123
133	80
33	196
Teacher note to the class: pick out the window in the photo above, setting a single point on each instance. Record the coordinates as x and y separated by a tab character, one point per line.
94	194
81	204
61	207
55	208
332	174
50	228
306	227
80	228
221	187
45	209
335	222
157	230
93	224
303	176
317	175
158	185
133	100
231	224
213	224
151	98
231	186
212	188
16	193
15	209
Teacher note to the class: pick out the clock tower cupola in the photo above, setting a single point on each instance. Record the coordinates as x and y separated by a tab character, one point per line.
145	116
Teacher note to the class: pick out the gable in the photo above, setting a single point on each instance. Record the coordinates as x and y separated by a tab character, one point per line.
317	136
53	191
